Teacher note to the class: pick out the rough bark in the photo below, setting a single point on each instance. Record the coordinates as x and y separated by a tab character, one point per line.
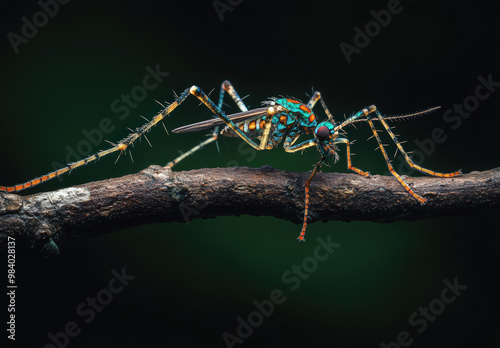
40	222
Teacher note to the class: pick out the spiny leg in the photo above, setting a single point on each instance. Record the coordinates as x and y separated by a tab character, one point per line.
348	152
120	146
387	160
226	86
129	140
407	158
213	137
351	119
198	93
306	210
287	145
317	96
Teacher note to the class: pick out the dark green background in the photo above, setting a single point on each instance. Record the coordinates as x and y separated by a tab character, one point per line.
193	280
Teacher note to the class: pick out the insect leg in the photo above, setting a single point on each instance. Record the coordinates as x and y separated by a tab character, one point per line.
351	119
317	96
302	146
267	129
226	86
198	93
407	158
306	210
349	166
120	146
384	153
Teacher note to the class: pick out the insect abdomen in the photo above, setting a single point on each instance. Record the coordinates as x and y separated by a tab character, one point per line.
252	128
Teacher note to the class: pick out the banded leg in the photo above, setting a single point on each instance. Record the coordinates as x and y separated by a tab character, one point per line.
306	210
371	109
302	146
407	158
198	93
348	152
317	96
123	144
351	119
226	86
212	137
120	146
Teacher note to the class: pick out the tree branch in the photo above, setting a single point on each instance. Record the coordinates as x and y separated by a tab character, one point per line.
40	221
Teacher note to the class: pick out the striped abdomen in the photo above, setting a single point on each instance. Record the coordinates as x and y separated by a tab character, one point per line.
253	128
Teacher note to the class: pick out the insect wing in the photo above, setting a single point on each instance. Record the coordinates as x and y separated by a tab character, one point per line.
208	124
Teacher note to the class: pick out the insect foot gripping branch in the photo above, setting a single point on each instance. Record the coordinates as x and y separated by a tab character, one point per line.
278	120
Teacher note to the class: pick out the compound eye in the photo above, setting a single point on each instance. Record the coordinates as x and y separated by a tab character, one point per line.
322	133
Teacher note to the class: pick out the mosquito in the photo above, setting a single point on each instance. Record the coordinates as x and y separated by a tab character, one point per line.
279	119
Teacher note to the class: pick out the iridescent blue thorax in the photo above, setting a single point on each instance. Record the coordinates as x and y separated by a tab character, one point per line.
294	118
301	113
